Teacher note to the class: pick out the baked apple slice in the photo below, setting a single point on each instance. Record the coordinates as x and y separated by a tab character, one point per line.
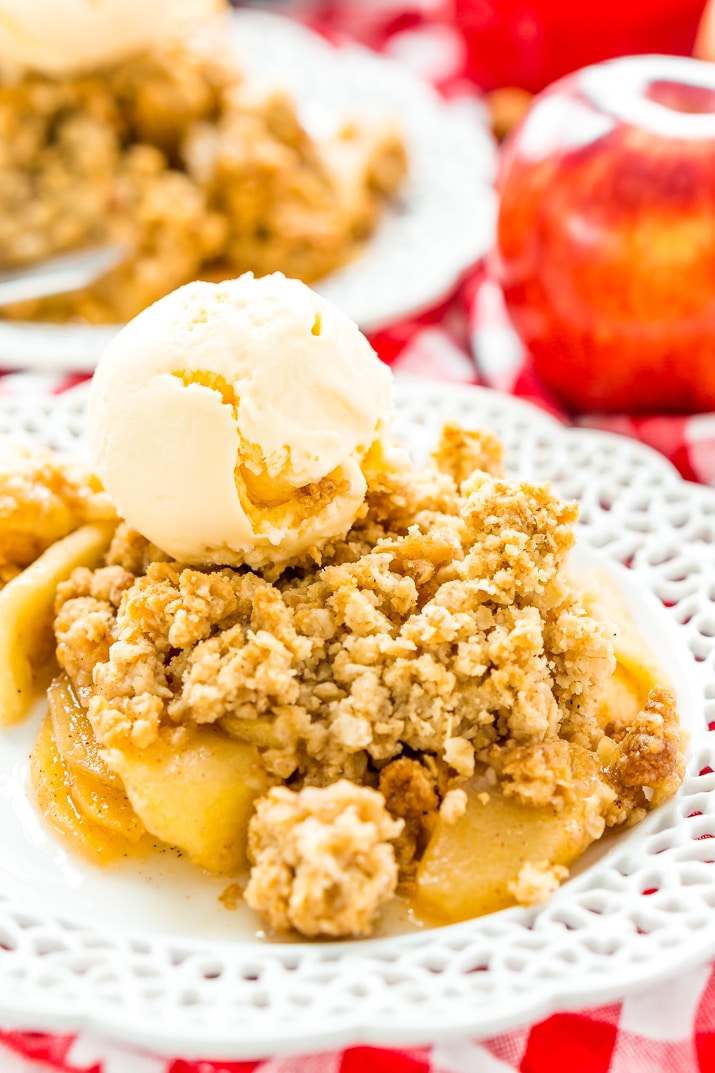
26	602
51	785
472	865
74	736
196	794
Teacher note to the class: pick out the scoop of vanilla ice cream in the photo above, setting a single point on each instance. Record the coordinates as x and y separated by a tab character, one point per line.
230	422
62	37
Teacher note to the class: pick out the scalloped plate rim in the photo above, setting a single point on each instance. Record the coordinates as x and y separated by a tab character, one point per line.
526	1006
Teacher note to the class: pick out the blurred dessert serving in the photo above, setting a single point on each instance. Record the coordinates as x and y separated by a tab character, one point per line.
129	122
333	676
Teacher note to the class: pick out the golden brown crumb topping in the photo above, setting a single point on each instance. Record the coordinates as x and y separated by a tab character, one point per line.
647	765
412	791
436	665
443	638
323	859
536	880
463	451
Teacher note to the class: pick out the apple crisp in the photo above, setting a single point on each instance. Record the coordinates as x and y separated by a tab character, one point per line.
431	704
198	173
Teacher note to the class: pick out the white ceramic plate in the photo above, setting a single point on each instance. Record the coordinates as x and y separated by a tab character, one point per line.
146	954
442	225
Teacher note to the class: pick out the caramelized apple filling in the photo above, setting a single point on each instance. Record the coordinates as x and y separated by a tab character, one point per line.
431	705
53	517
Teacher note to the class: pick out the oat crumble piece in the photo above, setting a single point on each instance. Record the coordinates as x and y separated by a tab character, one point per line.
413	791
231	896
540	774
323	859
85	621
132	551
648	763
454	805
461	451
537	881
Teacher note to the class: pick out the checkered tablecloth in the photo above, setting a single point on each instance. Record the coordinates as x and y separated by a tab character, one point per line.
467	339
667	1029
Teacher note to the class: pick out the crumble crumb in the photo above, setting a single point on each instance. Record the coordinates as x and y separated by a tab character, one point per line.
323	859
132	551
412	790
539	774
453	806
459	754
409	787
461	452
651	753
231	896
536	881
85	621
443	636
648	764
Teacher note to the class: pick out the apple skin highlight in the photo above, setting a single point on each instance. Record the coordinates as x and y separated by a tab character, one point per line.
606	236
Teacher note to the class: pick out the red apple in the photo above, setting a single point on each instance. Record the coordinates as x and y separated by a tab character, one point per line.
606	235
529	43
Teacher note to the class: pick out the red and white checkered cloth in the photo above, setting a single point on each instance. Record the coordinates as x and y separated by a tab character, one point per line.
666	1029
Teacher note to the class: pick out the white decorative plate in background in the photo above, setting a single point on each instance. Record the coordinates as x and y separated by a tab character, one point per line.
146	953
443	223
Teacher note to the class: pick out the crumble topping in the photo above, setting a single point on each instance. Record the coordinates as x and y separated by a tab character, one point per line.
647	766
436	659
536	881
461	453
413	790
453	805
323	859
402	646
